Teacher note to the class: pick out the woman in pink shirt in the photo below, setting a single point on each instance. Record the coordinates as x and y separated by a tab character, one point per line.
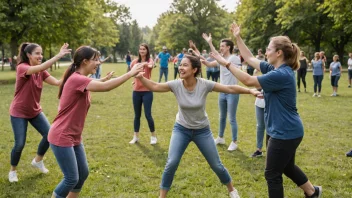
25	107
65	135
142	95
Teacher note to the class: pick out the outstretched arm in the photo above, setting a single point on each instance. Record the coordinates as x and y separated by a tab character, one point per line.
245	52
102	61
153	86
235	89
98	86
245	78
48	63
53	81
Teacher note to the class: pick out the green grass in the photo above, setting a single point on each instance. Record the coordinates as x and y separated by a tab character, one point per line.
118	169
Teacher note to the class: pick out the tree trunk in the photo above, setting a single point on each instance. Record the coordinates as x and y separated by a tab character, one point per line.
14	47
3	56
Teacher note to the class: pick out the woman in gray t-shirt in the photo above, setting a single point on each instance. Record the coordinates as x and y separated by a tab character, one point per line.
192	122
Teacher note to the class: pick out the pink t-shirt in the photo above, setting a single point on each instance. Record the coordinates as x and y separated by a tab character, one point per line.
27	92
66	130
138	86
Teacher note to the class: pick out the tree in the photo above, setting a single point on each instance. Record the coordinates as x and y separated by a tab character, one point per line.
136	37
124	42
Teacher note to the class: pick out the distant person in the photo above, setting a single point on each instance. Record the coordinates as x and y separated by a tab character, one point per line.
25	107
164	57
128	60
260	56
65	134
142	95
335	74
349	154
318	66
192	123
302	72
349	62
323	58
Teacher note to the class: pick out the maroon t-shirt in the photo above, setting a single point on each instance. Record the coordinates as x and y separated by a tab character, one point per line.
66	130
27	93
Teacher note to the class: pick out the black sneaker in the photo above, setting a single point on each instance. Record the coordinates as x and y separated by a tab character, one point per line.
257	154
317	193
349	154
349	86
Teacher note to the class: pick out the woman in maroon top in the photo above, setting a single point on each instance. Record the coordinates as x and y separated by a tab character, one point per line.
65	135
25	106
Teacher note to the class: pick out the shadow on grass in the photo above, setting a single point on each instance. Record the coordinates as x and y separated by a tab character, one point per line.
157	154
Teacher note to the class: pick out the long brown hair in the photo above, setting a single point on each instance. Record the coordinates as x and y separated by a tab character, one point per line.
290	50
23	50
147	57
82	53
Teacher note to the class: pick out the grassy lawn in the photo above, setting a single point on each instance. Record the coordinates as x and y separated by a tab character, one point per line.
118	169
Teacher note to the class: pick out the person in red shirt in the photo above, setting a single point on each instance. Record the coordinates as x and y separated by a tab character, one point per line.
65	135
142	95
25	106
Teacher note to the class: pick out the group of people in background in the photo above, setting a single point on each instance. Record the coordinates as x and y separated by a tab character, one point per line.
275	106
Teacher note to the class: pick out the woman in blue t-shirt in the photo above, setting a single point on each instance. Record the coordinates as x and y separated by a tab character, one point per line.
335	74
284	126
318	65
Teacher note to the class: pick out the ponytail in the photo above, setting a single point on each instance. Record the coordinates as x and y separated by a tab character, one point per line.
294	60
291	51
69	71
23	50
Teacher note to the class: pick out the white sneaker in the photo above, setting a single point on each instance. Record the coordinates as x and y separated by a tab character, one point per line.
233	146
153	140
134	140
234	194
319	95
40	166
314	94
219	140
13	176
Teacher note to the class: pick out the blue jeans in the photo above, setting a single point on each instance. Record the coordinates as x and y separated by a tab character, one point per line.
335	81
317	82
165	71
203	138
19	127
145	98
259	112
74	166
228	105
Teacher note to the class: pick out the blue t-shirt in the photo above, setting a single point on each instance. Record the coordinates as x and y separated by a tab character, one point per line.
335	68
281	117
179	59
317	67
164	59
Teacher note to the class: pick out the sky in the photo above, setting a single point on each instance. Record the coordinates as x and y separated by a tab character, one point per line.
146	12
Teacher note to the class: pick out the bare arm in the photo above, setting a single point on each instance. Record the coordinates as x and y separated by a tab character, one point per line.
245	52
97	86
48	63
235	89
209	64
106	78
53	81
105	59
153	86
245	78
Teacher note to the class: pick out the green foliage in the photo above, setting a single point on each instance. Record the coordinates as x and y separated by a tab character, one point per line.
187	20
118	169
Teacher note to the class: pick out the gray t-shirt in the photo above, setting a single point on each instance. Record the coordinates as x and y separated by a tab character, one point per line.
191	104
226	77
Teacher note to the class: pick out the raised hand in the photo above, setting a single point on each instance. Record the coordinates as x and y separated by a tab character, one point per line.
235	29
207	38
221	60
64	50
192	45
